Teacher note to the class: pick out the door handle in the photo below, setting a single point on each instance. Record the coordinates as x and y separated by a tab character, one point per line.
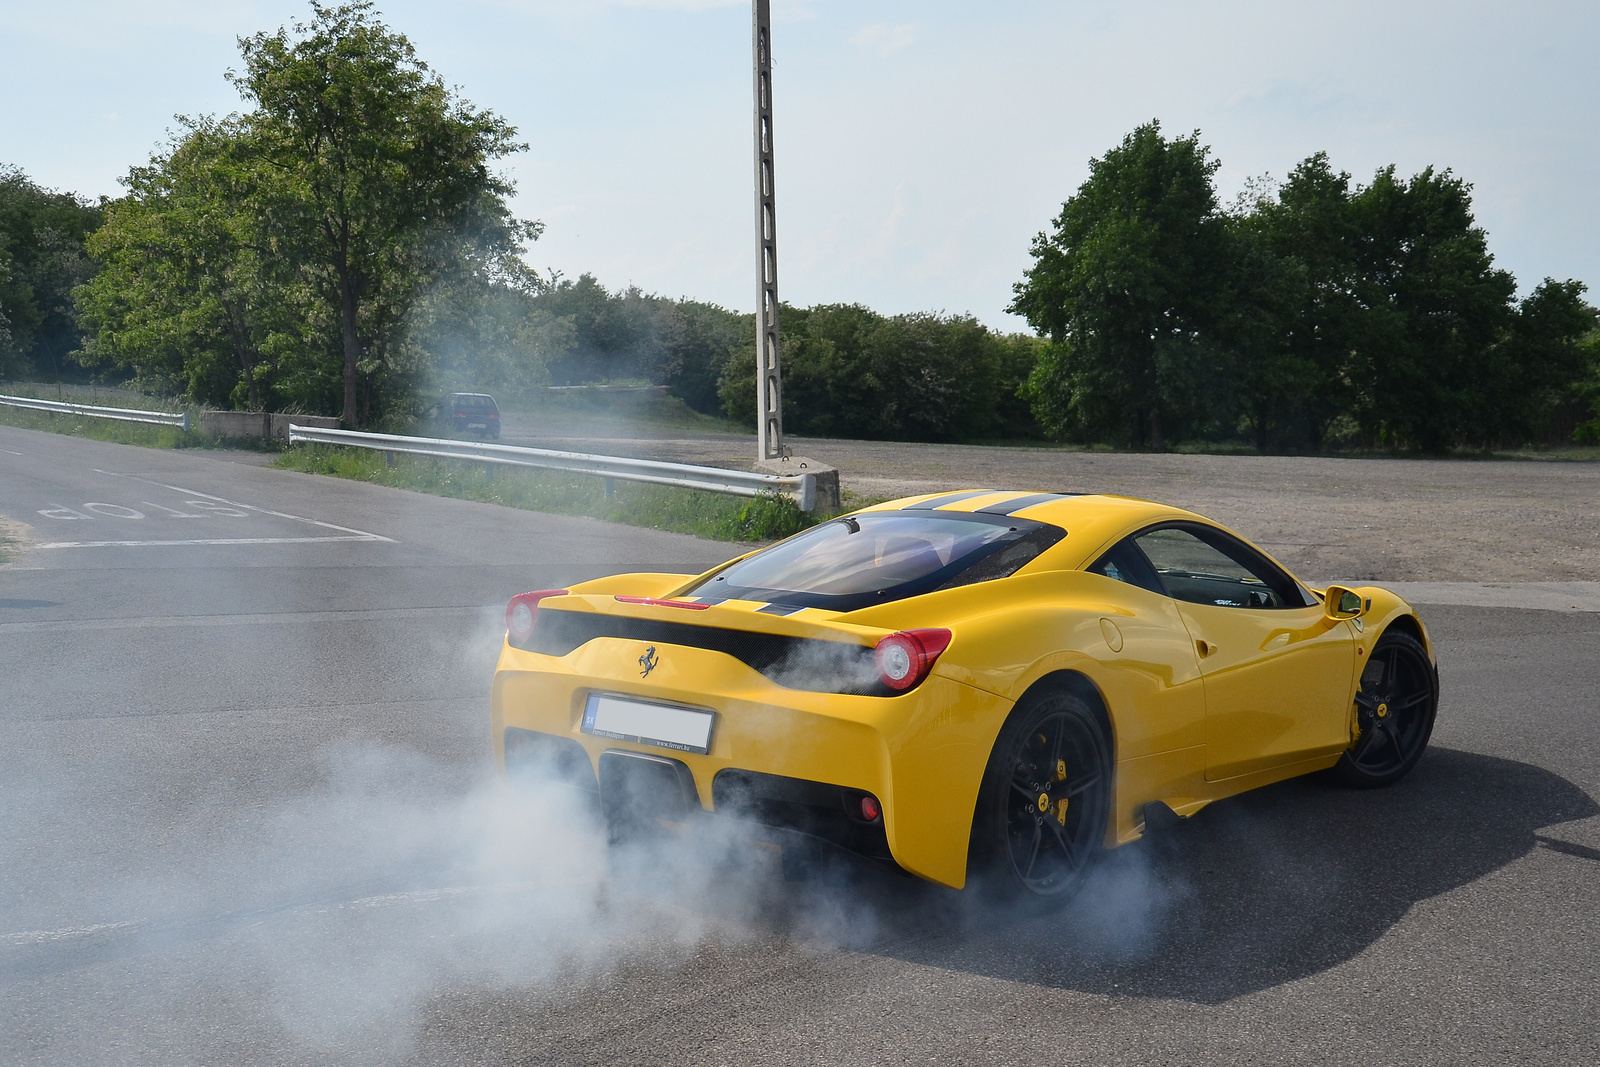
1204	647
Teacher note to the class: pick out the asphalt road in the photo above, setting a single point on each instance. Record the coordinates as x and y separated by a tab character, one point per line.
248	818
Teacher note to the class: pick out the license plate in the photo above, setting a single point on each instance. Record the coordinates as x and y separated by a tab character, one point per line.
647	723
477	426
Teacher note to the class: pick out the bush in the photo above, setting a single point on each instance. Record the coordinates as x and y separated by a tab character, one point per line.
851	372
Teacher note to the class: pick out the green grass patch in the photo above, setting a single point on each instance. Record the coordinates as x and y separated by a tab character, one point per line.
659	507
144	434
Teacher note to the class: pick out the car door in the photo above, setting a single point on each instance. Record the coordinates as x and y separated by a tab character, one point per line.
1276	670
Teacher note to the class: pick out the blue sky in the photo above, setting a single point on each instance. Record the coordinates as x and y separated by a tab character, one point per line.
920	145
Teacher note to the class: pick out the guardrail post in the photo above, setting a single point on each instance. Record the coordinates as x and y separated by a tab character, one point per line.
388	459
611	487
185	422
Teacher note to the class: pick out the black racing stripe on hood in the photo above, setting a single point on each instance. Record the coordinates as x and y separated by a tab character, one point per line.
1016	504
948	498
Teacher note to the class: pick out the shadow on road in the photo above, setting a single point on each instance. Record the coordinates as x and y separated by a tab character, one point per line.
1253	892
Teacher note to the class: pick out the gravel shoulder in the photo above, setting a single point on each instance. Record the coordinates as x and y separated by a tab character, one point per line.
1328	519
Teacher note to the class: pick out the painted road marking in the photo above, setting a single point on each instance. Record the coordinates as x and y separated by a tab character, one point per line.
278	514
114	511
212	541
170	511
489	612
65	514
22	938
207	505
70	933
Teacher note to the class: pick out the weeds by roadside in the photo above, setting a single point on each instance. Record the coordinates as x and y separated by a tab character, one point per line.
690	511
122	433
10	540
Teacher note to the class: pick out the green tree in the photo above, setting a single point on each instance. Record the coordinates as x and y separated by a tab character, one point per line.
1123	286
1434	307
190	293
1544	362
42	259
1292	311
851	372
374	179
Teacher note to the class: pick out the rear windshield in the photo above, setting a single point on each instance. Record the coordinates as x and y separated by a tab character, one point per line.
880	556
468	401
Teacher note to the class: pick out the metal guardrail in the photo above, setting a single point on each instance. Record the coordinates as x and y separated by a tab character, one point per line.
62	407
801	488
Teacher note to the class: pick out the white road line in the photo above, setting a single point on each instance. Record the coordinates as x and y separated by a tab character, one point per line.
278	514
140	622
1548	596
8	452
70	933
361	535
22	938
214	541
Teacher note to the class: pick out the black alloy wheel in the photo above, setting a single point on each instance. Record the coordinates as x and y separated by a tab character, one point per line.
1395	709
1041	816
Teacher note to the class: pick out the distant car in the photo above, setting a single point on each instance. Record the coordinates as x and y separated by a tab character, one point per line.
983	683
472	413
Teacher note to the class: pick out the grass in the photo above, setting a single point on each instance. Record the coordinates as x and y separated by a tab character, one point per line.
123	433
659	507
8	543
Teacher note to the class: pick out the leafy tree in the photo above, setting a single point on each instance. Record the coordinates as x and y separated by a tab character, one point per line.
851	372
190	292
1291	304
42	259
373	178
1123	284
629	335
1433	308
1586	389
1544	363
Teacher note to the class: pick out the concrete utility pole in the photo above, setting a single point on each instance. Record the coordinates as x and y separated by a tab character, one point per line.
769	385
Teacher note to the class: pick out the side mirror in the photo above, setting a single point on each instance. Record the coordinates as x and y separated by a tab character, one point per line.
1341	603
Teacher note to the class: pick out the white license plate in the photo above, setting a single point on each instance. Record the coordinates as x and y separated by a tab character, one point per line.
646	723
477	425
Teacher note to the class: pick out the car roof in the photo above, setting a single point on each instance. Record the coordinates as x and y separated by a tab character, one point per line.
1092	520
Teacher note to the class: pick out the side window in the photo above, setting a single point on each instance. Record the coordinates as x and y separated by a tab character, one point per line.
1126	563
1208	567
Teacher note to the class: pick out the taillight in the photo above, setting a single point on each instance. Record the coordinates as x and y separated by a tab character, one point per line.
905	658
522	610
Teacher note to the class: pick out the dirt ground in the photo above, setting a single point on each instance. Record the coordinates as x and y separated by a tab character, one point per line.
1327	519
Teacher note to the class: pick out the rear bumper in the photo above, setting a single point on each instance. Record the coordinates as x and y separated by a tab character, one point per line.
921	754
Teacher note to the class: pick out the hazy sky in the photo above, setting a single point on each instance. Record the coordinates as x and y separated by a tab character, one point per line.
920	145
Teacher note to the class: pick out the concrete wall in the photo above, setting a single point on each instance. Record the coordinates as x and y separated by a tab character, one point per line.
259	423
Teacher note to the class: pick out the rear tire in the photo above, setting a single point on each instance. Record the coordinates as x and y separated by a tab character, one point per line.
1395	710
1043	805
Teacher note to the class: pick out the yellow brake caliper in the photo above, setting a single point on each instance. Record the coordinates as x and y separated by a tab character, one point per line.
1061	805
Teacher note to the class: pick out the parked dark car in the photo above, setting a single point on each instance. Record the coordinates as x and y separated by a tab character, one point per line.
472	413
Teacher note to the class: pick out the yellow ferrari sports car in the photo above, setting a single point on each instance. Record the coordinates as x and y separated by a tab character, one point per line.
970	685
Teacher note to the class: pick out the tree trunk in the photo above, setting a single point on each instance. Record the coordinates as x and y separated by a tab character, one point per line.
241	352
1157	442
352	345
